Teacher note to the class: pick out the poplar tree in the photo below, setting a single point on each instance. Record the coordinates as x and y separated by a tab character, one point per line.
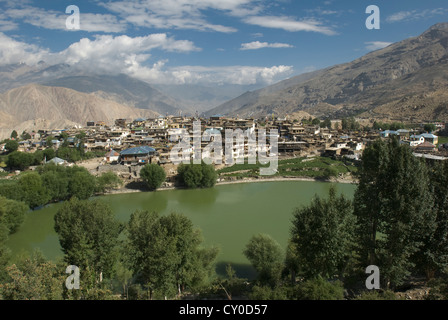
88	233
322	236
393	206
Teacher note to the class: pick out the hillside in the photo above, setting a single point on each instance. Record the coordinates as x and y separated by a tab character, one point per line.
122	89
381	80
24	106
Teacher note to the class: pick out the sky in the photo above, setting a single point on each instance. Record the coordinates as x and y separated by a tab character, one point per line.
245	42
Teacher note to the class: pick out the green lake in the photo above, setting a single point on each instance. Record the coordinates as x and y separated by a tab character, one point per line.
228	215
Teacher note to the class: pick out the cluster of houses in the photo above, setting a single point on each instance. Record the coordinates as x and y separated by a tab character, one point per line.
141	141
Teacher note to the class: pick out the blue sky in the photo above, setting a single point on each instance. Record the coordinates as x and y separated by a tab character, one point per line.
207	41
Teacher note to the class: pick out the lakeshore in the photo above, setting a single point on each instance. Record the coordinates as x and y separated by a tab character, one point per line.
342	180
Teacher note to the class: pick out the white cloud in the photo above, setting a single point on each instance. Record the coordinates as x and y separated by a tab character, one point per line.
13	51
123	54
289	24
49	19
255	45
413	15
376	45
242	75
180	14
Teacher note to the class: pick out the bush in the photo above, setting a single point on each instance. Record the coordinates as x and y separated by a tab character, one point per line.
320	289
377	295
108	181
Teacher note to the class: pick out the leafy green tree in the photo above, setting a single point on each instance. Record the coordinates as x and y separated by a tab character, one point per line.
82	185
165	253
292	260
32	191
14	134
12	213
430	127
197	175
56	182
394	212
4	251
432	256
49	154
323	236
266	256
20	160
154	175
209	175
88	233
350	124
11	145
25	135
326	124
69	154
49	141
315	121
35	278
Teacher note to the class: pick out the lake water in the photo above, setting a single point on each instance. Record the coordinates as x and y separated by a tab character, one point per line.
228	215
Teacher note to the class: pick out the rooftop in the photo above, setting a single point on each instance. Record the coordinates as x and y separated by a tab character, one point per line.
138	150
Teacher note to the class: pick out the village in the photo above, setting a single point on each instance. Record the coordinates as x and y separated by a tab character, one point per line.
127	145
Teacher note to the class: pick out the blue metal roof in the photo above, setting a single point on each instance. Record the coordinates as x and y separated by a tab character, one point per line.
138	150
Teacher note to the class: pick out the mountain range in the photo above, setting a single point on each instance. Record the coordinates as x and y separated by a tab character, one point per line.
409	76
407	80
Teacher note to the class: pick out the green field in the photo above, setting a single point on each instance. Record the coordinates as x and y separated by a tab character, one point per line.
318	167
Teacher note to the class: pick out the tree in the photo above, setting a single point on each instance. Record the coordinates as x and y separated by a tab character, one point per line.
11	145
432	256
266	256
323	235
88	233
326	124
25	135
14	134
82	184
32	191
19	160
209	175
394	213
56	182
49	141
4	251
154	175
165	253
197	175
12	213
49	154
430	127
108	181
34	279
315	121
